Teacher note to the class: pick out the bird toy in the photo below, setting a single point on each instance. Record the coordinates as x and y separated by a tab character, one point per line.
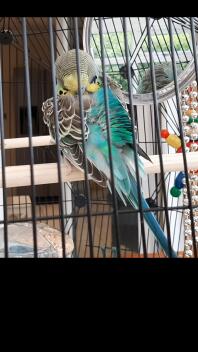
189	107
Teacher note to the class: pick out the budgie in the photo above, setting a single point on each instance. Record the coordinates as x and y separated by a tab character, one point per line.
70	133
163	76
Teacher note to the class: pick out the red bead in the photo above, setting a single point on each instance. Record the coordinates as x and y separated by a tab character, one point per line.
164	134
179	150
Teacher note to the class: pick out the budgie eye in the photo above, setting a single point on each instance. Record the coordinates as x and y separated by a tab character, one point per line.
93	79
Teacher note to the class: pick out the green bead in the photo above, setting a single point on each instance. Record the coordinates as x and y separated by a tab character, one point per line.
175	192
190	120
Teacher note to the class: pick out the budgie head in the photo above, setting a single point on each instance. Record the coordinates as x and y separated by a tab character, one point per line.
66	72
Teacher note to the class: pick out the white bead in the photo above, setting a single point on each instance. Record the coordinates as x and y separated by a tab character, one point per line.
186	129
193	94
189	242
186	139
196	238
187	221
195	198
189	253
194	84
188	232
194	187
185	107
193	104
194	177
185	96
187	149
194	124
185	118
194	136
194	146
194	114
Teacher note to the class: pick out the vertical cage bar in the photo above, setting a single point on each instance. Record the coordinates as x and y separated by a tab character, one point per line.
51	37
29	116
3	162
156	116
109	140
134	142
87	186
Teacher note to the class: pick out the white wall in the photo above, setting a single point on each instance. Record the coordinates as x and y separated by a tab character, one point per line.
145	131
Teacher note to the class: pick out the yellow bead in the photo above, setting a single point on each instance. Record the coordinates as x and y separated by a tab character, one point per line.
174	141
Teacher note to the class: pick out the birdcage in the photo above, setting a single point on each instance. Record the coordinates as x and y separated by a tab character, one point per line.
50	208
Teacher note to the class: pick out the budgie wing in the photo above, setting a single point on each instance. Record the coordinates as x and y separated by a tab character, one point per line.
70	131
120	123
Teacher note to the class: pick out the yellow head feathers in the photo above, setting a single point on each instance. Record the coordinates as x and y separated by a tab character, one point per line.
66	71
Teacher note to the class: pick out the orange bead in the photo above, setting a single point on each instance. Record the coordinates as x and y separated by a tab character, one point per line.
189	112
164	134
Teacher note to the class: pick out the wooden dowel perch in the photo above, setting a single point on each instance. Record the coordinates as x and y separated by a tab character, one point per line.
15	143
19	176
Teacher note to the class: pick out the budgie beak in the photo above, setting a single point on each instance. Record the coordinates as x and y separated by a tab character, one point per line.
71	83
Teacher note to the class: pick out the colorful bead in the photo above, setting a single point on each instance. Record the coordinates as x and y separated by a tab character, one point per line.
193	94
190	119
185	107
194	136
175	192
186	139
174	141
193	104
194	114
164	133
179	150
179	180
186	118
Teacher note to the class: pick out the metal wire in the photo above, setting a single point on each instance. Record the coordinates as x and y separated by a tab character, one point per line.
109	140
83	141
57	136
134	143
29	116
3	164
156	115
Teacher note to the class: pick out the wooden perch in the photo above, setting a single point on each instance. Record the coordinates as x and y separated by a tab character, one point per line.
15	143
19	176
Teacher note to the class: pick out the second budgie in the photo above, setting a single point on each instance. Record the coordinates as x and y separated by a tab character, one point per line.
70	133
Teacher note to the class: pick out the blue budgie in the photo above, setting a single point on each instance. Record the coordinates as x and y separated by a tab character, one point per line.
70	133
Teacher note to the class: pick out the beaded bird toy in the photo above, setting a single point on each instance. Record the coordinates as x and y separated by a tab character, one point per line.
189	107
